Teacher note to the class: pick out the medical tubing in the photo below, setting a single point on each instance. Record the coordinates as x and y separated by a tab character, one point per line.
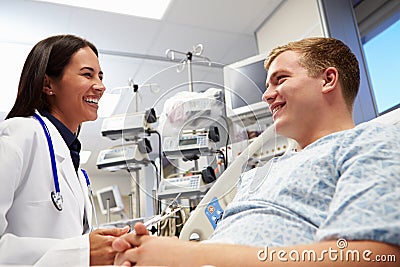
51	150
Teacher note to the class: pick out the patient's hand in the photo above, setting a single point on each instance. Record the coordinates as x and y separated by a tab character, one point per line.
147	250
126	242
122	244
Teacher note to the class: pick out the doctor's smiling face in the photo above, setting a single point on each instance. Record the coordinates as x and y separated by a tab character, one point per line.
73	98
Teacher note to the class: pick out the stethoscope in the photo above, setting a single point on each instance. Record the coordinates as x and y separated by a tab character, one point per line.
56	196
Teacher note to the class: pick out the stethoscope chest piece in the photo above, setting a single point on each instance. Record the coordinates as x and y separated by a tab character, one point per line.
57	199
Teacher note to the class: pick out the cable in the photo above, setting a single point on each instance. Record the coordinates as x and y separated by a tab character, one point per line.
149	132
223	158
227	140
226	149
155	167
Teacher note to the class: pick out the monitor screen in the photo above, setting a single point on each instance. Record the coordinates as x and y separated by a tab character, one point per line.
247	84
108	195
244	84
115	154
112	195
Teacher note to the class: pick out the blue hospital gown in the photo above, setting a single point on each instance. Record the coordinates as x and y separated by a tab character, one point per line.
344	185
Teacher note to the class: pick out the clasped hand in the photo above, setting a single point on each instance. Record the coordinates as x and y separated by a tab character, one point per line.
140	248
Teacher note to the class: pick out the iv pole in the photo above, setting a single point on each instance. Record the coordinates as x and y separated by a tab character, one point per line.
132	86
189	56
196	52
135	88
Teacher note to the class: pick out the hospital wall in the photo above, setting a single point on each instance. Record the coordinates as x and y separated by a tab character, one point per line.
288	24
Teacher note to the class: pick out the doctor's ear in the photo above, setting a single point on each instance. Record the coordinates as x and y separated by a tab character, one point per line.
47	86
330	79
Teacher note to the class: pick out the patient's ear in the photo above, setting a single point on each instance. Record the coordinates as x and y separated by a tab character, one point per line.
330	79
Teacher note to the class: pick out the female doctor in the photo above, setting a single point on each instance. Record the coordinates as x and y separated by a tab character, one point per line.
45	211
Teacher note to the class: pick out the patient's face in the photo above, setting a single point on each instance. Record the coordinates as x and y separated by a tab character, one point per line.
293	97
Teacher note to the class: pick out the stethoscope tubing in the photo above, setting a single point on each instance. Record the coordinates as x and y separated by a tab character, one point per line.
51	151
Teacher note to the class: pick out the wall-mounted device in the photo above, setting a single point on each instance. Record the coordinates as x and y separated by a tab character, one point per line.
127	126
110	197
123	157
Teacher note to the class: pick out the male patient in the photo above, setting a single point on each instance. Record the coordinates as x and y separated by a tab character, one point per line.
334	201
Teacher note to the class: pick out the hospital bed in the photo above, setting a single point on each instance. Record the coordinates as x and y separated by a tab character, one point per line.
204	218
209	211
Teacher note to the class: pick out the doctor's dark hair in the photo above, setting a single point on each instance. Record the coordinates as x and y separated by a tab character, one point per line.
50	56
320	53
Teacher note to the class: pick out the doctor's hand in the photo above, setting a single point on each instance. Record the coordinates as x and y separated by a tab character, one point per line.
139	249
101	251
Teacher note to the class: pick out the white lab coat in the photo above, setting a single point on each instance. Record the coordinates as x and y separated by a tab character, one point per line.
32	230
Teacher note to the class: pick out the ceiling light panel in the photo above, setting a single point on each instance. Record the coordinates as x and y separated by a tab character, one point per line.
153	9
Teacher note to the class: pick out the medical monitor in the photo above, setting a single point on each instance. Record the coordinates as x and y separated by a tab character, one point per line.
244	84
111	194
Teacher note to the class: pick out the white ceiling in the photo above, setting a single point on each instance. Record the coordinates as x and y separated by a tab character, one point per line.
226	28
